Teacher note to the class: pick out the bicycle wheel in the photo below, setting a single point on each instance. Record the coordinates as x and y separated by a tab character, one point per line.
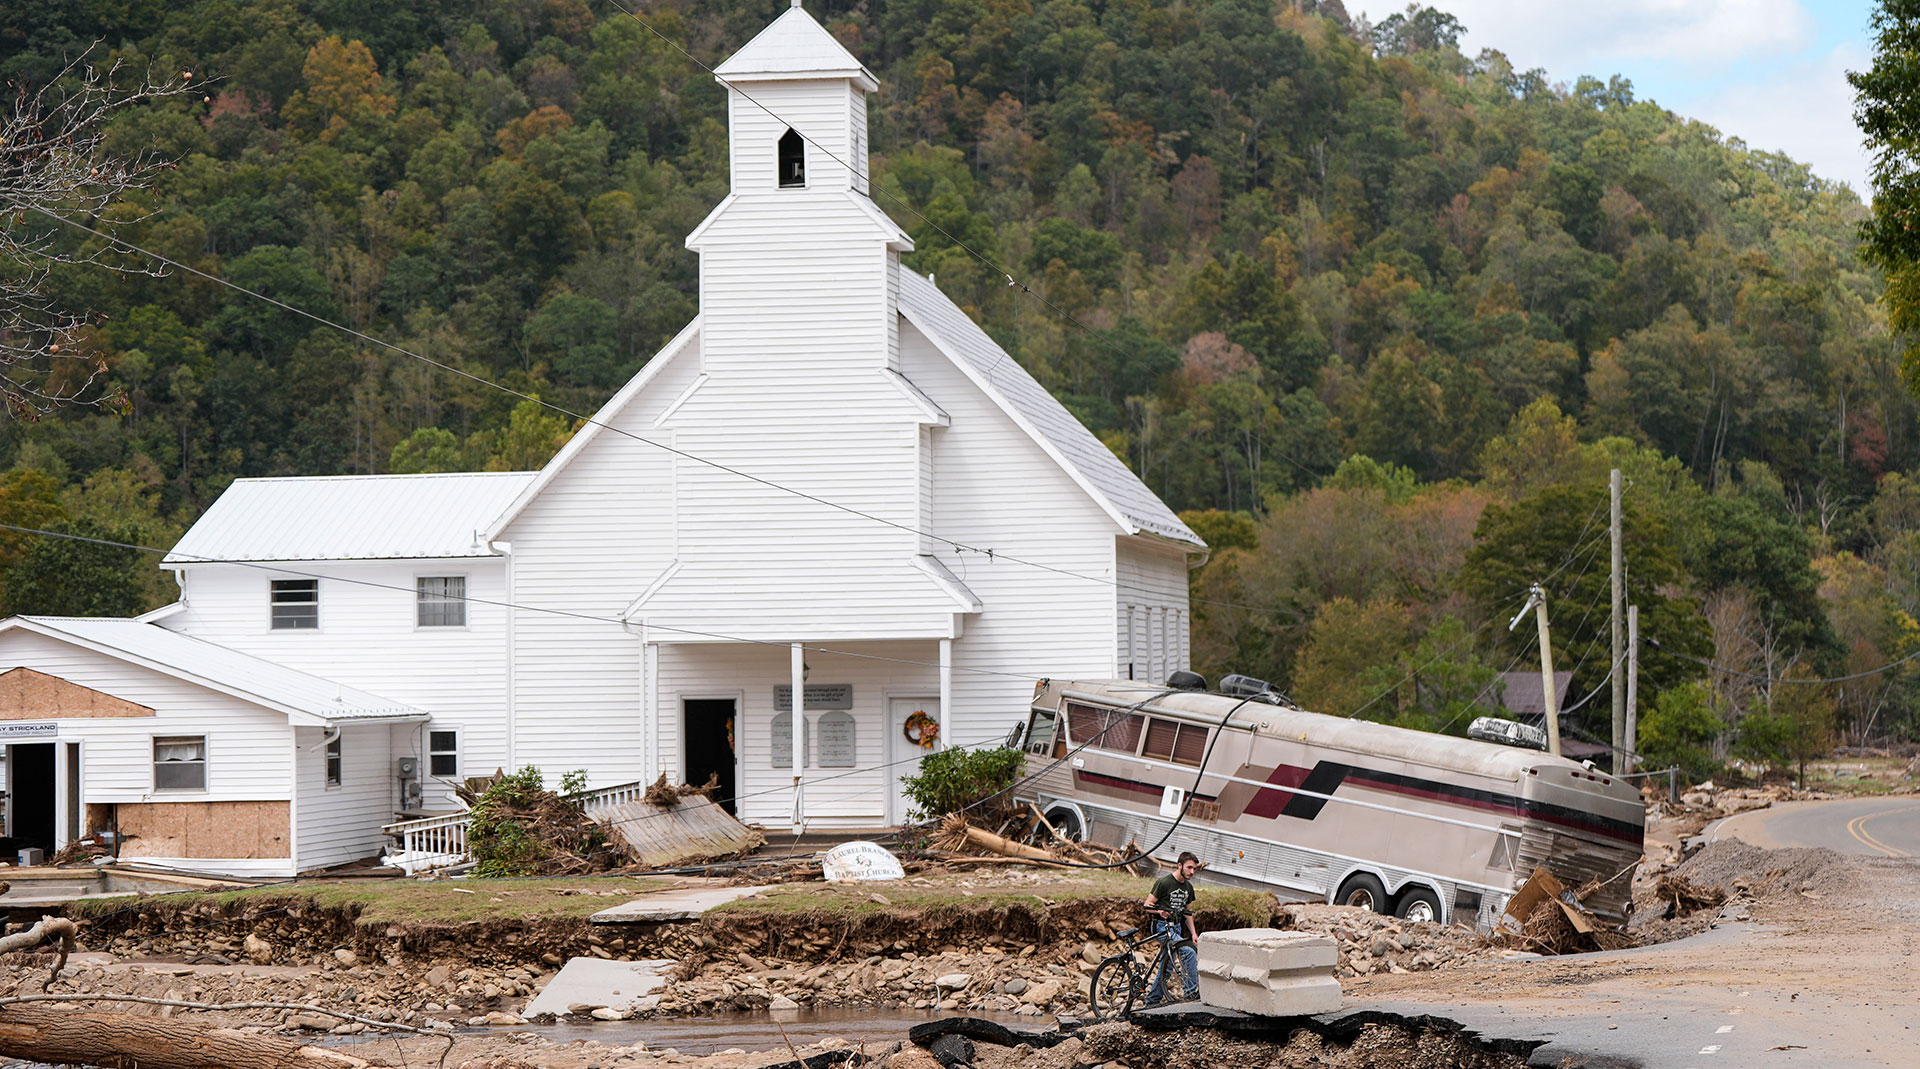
1116	983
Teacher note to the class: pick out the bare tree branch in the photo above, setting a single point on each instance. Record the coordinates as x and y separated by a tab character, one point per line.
54	159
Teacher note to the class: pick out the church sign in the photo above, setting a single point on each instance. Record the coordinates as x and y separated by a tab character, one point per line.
819	697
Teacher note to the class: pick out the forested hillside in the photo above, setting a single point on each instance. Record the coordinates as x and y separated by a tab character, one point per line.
1272	238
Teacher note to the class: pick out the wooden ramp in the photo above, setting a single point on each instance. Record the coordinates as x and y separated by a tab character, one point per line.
689	832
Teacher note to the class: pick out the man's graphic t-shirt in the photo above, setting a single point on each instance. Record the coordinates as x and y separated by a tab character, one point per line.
1172	893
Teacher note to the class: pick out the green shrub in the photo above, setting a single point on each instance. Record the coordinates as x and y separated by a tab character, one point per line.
1680	730
956	778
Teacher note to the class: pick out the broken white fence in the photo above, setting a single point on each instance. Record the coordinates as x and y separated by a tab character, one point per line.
438	842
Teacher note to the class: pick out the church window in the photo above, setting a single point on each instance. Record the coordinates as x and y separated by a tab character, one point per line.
793	160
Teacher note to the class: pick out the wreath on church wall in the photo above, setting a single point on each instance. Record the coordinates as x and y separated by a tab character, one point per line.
921	730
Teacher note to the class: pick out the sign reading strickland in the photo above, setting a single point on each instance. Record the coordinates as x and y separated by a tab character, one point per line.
819	697
33	731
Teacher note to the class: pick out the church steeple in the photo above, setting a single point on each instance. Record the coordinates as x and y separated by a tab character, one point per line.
797	109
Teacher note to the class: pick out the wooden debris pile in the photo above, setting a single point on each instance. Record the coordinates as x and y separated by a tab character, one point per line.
666	795
1682	896
1547	918
1025	837
519	828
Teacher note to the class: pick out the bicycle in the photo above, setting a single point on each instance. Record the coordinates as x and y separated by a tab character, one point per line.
1121	979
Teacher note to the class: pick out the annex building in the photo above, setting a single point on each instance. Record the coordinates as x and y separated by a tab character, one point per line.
796	494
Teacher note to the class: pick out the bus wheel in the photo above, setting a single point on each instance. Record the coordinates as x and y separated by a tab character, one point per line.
1419	905
1067	823
1363	890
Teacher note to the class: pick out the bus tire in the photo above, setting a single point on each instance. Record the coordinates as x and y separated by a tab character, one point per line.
1419	905
1363	889
1066	821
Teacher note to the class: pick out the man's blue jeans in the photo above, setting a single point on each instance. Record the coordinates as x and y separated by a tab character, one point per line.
1189	962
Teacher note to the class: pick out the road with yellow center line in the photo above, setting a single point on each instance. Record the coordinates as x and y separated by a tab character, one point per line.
1874	827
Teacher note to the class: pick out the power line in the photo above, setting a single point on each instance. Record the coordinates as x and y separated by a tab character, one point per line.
280	569
997	269
958	547
1772	679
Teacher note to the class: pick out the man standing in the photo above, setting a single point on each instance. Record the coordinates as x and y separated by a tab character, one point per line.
1171	902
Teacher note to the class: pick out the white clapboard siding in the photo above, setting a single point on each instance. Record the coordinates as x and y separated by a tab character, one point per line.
247	746
600	532
835	797
818	110
994	487
369	638
335	825
1150	611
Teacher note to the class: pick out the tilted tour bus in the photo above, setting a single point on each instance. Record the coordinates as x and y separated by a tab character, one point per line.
1425	826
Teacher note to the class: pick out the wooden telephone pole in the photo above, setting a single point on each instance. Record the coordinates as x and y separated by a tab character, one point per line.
1619	582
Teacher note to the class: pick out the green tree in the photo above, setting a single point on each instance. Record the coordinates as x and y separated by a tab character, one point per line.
1883	109
1681	729
67	577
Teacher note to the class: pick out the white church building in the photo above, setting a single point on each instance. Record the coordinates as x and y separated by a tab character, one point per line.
832	480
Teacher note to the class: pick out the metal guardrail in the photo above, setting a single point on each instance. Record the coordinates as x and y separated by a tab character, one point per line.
441	840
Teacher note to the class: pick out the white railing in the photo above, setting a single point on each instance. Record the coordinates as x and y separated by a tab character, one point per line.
432	842
441	841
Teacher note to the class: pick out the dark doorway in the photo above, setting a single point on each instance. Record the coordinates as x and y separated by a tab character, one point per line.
708	728
30	787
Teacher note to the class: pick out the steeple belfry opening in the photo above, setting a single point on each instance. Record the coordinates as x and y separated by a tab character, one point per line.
792	160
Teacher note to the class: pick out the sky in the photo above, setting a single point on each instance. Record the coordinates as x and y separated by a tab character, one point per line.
1770	72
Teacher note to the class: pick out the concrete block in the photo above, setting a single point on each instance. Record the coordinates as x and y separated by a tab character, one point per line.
1269	972
594	982
1270	948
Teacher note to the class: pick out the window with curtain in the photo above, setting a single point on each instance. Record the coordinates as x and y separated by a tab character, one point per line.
441	600
180	763
1104	729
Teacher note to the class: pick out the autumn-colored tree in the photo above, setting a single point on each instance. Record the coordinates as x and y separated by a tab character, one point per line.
343	94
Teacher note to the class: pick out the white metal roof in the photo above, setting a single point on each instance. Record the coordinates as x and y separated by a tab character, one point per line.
306	698
1085	455
352	517
794	46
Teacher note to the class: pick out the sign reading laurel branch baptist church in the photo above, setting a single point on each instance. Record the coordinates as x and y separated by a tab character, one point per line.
820	697
29	731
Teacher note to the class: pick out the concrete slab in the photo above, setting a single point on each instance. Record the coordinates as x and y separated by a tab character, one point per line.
597	982
676	904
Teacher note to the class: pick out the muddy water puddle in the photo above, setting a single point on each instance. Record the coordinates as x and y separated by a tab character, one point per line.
754	1031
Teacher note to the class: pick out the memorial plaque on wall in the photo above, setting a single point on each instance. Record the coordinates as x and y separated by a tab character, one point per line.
838	738
782	741
820	696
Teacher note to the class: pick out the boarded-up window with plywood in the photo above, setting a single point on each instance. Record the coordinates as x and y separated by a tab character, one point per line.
180	763
1104	729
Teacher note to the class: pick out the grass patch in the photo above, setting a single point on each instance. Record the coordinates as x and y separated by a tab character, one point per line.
419	902
956	890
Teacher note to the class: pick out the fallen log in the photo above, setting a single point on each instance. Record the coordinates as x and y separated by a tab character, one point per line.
124	1041
60	928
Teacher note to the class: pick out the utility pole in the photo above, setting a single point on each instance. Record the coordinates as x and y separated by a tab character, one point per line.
1537	601
1633	688
1619	598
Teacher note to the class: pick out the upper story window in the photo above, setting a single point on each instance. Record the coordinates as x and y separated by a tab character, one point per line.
296	603
441	600
793	160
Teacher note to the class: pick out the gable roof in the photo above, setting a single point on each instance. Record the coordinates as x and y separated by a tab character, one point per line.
306	699
351	517
602	419
794	46
1111	483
